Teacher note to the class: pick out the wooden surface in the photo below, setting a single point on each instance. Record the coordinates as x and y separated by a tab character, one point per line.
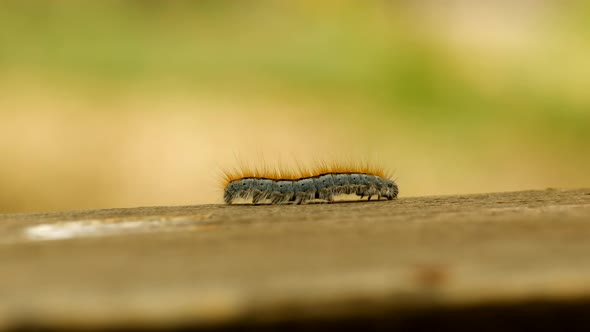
349	264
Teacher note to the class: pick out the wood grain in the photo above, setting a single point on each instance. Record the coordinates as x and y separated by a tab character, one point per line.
237	266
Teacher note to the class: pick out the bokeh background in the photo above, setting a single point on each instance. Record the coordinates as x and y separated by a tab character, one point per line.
129	103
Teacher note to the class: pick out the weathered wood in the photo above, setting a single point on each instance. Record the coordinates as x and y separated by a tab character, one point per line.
221	266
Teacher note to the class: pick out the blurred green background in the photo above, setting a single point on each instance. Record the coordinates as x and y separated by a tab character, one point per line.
127	103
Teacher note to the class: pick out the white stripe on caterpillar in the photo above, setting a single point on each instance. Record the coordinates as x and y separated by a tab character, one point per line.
299	191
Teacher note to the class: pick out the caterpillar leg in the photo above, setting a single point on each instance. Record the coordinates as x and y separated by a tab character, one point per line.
304	197
276	197
261	195
282	198
298	199
256	196
228	198
288	197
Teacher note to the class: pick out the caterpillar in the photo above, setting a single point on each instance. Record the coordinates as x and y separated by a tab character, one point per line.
323	182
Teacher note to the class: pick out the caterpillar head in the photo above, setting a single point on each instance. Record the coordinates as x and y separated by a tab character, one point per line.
391	189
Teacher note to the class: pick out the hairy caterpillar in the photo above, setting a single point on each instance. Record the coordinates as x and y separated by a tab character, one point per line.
323	182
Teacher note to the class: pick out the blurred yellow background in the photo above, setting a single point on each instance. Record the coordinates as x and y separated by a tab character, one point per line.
130	103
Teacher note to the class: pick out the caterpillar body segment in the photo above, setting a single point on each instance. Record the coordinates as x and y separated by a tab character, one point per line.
302	190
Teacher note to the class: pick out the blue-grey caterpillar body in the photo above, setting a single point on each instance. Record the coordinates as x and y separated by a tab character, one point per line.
302	190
